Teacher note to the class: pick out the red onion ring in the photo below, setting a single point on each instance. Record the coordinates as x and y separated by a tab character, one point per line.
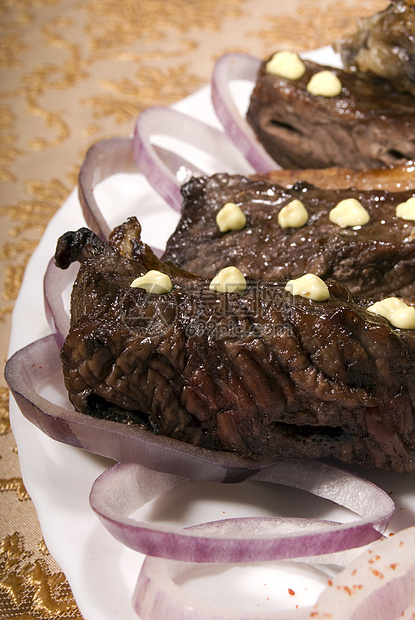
103	159
167	173
230	67
38	364
121	490
380	583
55	282
157	595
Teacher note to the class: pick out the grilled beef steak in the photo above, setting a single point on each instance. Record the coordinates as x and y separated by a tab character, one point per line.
384	45
396	178
378	257
261	373
368	125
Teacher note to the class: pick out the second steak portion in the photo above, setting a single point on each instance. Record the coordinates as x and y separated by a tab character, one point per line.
368	125
384	45
378	257
260	373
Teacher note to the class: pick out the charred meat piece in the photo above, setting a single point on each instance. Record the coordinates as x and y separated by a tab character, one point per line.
260	373
368	125
397	178
384	46
378	257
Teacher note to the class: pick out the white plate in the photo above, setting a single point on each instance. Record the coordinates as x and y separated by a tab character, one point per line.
101	572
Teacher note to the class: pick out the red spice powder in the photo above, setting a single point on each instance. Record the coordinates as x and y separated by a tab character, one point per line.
377	573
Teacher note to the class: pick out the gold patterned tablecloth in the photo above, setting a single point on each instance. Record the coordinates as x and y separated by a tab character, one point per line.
73	73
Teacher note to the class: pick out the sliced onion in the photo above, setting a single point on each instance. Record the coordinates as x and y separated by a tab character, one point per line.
39	364
105	158
165	170
118	492
55	282
379	584
231	67
158	595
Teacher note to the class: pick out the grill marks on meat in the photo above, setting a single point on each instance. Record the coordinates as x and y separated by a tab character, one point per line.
260	373
376	258
369	125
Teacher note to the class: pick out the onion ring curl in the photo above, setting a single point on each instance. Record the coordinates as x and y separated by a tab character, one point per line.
379	583
166	171
236	66
103	159
126	487
55	281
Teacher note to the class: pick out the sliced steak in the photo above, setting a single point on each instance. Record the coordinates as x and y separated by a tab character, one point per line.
376	258
261	373
396	178
368	125
384	45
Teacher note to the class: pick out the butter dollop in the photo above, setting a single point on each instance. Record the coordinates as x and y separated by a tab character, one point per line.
230	217
406	210
287	65
293	215
154	282
397	312
349	212
228	280
324	84
309	286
